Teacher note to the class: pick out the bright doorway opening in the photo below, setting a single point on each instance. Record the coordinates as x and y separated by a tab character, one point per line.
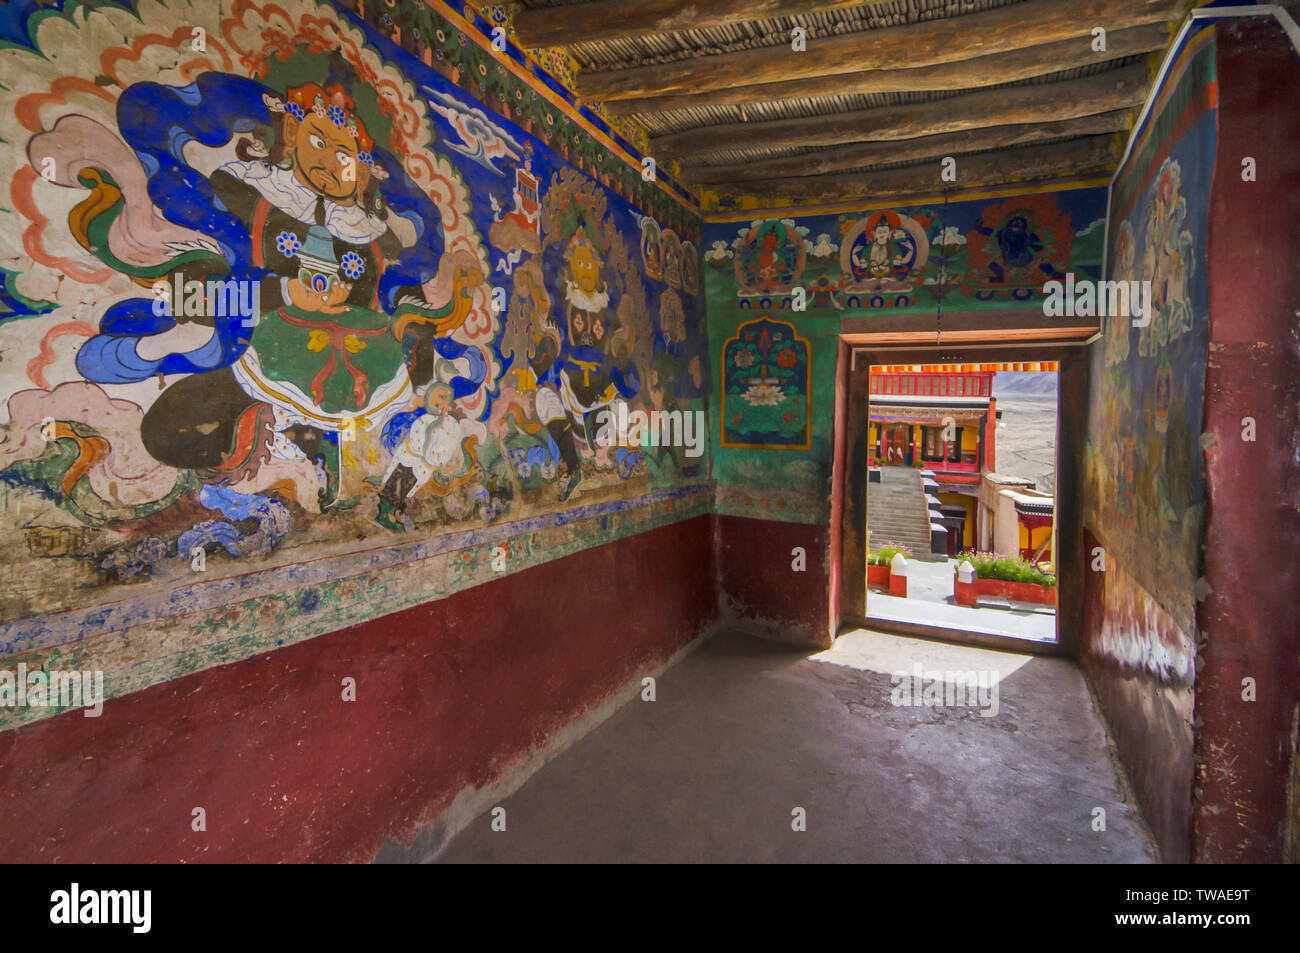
961	514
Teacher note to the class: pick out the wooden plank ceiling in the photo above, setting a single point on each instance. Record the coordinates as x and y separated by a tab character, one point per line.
1013	89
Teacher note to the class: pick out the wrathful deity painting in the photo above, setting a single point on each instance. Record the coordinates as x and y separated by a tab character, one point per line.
269	281
967	255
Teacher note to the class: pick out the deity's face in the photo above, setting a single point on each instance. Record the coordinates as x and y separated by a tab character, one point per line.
881	234
586	269
325	158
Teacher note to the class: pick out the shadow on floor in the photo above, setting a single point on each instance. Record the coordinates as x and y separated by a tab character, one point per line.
743	732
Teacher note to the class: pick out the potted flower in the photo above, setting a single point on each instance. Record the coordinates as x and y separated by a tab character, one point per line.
878	562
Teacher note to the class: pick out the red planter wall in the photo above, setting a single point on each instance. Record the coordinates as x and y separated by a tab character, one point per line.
1022	591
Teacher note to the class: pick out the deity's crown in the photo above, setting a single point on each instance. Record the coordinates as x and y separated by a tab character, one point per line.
579	240
884	218
330	103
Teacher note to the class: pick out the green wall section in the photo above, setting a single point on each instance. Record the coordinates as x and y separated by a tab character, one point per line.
969	256
789	485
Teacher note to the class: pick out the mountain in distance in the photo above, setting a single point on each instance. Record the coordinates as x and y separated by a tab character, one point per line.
1024	384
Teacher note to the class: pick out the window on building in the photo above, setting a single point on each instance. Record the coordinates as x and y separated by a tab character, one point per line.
934	447
930	444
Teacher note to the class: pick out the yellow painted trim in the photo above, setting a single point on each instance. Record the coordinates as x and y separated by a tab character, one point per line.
902	201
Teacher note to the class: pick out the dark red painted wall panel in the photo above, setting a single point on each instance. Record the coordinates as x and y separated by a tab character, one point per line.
448	694
758	582
1252	537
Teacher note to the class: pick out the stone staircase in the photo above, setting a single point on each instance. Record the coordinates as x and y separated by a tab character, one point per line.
897	512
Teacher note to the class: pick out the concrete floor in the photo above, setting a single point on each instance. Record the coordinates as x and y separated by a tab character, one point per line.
744	731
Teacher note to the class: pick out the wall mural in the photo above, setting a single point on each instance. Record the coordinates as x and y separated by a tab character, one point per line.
967	255
428	30
269	281
766	398
1143	465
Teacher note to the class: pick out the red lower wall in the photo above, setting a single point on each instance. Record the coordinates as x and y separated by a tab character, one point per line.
448	695
759	584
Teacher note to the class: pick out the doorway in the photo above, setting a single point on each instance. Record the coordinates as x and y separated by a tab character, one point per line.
961	497
897	446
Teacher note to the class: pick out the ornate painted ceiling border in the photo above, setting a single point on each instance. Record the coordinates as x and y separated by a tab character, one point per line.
547	77
458	33
1187	90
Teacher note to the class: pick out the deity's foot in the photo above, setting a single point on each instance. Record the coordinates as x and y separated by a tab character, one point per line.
393	519
569	483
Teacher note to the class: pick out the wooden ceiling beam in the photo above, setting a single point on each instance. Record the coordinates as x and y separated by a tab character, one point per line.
1012	105
1077	156
625	19
1013	27
860	155
992	70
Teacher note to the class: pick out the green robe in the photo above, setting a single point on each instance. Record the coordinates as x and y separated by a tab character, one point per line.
339	359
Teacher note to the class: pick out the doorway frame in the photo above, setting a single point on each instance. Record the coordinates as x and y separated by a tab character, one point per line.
857	353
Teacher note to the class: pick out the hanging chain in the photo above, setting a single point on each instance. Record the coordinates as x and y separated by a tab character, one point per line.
943	274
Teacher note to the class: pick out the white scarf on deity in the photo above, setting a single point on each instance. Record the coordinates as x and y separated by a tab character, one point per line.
591	303
280	187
